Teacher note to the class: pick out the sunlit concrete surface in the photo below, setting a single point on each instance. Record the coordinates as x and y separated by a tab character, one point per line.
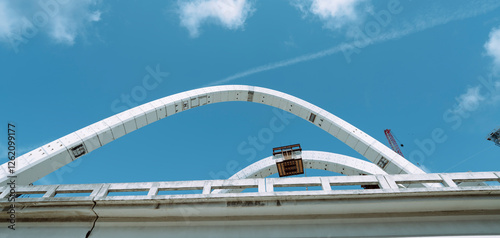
269	212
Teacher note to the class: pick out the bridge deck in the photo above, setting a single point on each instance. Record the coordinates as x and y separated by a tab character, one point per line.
185	190
275	207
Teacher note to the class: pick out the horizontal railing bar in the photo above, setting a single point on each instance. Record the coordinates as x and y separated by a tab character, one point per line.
74	191
80	186
179	188
234	187
244	182
416	178
250	183
352	180
474	177
126	190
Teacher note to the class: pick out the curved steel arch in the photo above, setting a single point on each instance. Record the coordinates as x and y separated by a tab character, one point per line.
333	162
48	158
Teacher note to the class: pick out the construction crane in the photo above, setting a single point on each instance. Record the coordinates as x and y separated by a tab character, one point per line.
392	142
494	136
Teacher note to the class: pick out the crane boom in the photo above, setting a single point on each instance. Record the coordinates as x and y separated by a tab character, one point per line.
392	142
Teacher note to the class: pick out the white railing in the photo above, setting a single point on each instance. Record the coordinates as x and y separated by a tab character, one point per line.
263	187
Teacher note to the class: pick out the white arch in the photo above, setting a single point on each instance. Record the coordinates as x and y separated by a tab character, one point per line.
48	158
333	162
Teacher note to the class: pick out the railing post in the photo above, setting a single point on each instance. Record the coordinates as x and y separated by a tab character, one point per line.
325	184
51	192
207	188
5	192
386	182
498	175
101	191
153	191
447	181
262	185
269	185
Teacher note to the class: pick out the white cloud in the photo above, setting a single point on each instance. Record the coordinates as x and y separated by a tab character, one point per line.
61	20
420	25
228	13
72	20
495	97
6	20
335	14
492	47
469	101
490	87
95	16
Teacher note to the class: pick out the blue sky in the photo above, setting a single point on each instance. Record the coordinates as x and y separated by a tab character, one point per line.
416	67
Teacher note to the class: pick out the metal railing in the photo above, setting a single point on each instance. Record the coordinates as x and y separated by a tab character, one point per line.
263	187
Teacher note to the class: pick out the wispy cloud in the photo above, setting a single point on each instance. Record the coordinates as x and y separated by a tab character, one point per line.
72	20
488	91
492	48
62	21
417	25
334	14
7	20
230	14
469	101
290	43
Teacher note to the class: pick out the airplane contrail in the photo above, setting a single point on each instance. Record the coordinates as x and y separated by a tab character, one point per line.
418	26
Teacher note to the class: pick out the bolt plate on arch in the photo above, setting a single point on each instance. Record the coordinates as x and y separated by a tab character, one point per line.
78	150
382	163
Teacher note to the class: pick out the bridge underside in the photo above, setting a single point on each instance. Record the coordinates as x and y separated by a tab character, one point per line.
381	215
272	211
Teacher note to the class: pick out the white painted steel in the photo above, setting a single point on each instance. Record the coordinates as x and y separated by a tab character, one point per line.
336	163
132	119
